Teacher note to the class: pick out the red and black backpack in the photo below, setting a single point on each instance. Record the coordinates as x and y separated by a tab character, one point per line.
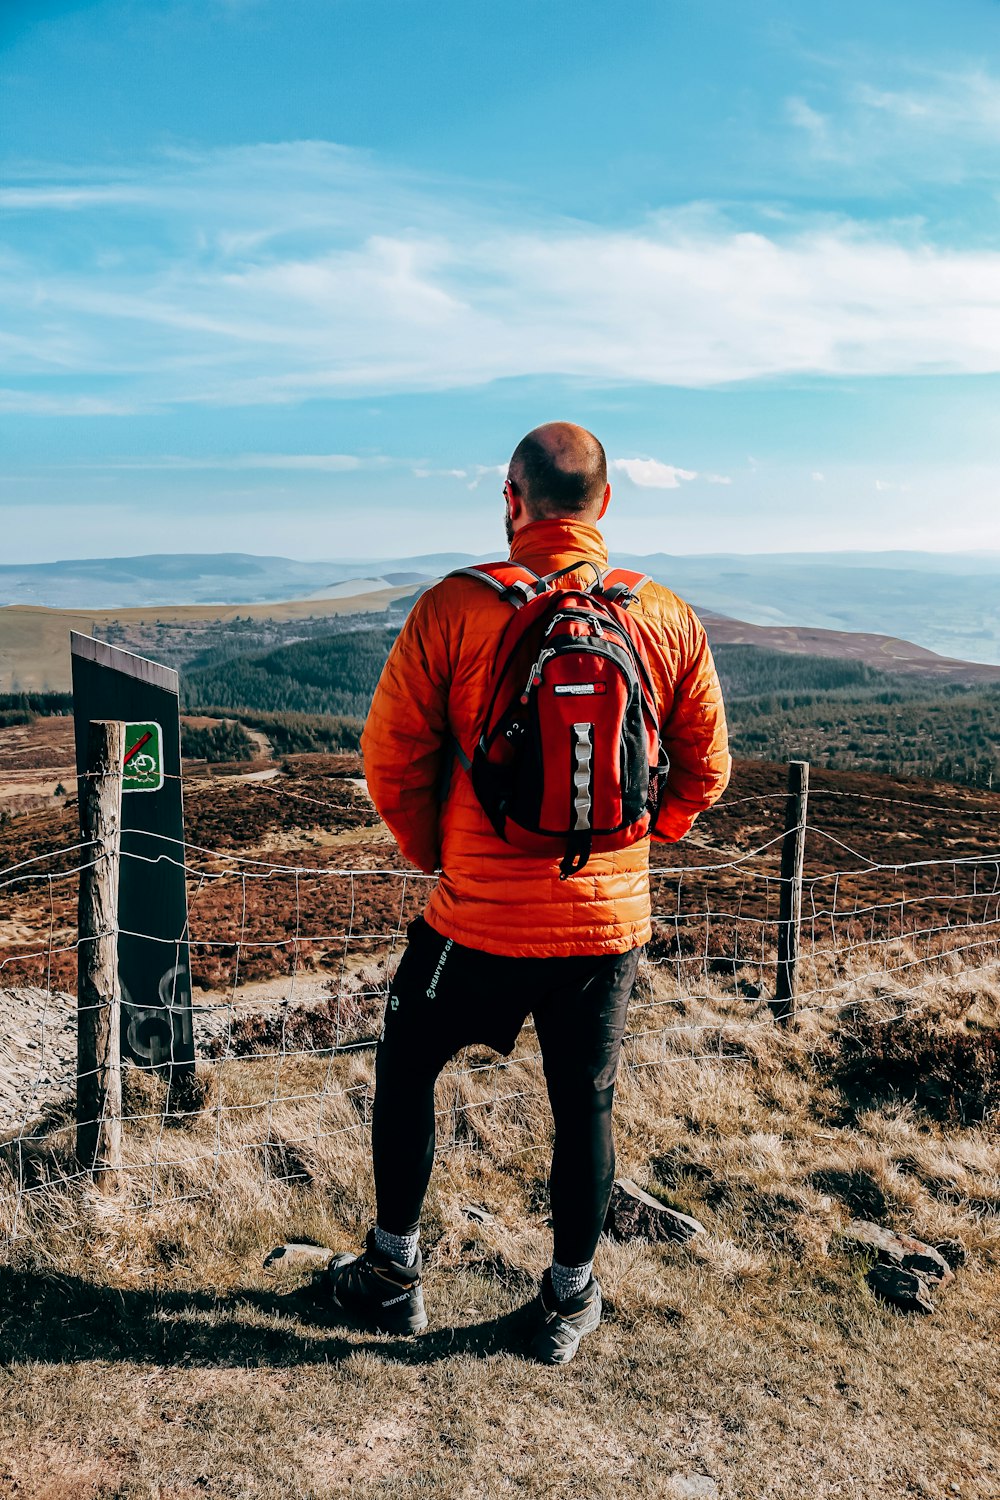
568	758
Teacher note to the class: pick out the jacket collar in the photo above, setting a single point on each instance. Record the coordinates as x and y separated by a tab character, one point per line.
549	545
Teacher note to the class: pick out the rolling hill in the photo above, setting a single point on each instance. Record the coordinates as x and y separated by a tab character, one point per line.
34	640
840	713
884	652
948	603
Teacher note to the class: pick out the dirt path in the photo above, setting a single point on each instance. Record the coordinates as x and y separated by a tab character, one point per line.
38	1058
265	750
38	1054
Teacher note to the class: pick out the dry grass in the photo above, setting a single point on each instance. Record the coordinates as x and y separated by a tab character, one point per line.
148	1354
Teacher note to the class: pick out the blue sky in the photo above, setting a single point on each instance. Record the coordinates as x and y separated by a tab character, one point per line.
294	276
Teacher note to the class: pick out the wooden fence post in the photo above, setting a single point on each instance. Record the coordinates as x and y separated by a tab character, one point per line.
793	848
99	1073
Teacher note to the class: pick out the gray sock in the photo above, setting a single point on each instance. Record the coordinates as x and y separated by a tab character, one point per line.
569	1281
400	1247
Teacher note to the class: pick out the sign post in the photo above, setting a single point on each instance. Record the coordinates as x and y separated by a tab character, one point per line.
153	956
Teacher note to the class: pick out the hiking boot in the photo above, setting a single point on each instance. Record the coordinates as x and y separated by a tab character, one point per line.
374	1290
563	1324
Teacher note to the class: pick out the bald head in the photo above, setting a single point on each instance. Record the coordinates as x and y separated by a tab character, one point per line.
560	469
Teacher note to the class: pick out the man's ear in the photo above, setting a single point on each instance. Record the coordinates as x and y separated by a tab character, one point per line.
515	501
605	502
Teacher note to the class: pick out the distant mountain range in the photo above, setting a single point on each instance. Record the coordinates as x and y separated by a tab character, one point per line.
201	578
946	602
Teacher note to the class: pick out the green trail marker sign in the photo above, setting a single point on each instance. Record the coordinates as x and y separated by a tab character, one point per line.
154	964
143	768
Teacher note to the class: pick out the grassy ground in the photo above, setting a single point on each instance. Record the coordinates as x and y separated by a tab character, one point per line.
148	1354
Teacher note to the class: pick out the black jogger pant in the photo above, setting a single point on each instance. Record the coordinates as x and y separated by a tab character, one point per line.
446	997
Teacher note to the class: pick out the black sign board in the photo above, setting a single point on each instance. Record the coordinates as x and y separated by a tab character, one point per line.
153	958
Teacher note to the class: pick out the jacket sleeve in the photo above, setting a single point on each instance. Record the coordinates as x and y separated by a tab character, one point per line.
406	735
696	741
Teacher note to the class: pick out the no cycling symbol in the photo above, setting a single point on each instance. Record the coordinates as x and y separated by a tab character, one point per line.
142	770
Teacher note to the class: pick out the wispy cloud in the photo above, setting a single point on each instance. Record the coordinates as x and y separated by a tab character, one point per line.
326	463
68	404
486	471
817	127
278	274
965	101
70	198
917	124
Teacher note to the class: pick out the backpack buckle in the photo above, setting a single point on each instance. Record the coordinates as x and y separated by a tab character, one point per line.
620	594
519	592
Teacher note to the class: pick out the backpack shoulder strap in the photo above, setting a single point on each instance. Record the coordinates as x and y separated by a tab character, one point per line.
621	585
514	583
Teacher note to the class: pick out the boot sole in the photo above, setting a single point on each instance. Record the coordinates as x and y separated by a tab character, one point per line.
363	1324
332	1314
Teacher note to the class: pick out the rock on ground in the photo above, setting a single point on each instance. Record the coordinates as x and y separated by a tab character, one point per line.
296	1256
900	1250
908	1290
692	1487
634	1214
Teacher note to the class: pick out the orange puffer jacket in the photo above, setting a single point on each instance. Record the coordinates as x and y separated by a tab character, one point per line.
490	895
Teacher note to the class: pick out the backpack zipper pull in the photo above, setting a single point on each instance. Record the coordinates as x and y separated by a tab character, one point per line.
535	675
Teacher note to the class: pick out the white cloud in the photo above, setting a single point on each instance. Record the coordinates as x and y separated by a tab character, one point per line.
650	474
818	477
282	273
717	478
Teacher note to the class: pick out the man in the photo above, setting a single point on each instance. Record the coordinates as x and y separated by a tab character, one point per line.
503	935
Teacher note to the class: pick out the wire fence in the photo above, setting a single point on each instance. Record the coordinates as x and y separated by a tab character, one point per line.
293	962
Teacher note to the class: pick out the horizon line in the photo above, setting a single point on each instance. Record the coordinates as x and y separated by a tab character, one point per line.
987	552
